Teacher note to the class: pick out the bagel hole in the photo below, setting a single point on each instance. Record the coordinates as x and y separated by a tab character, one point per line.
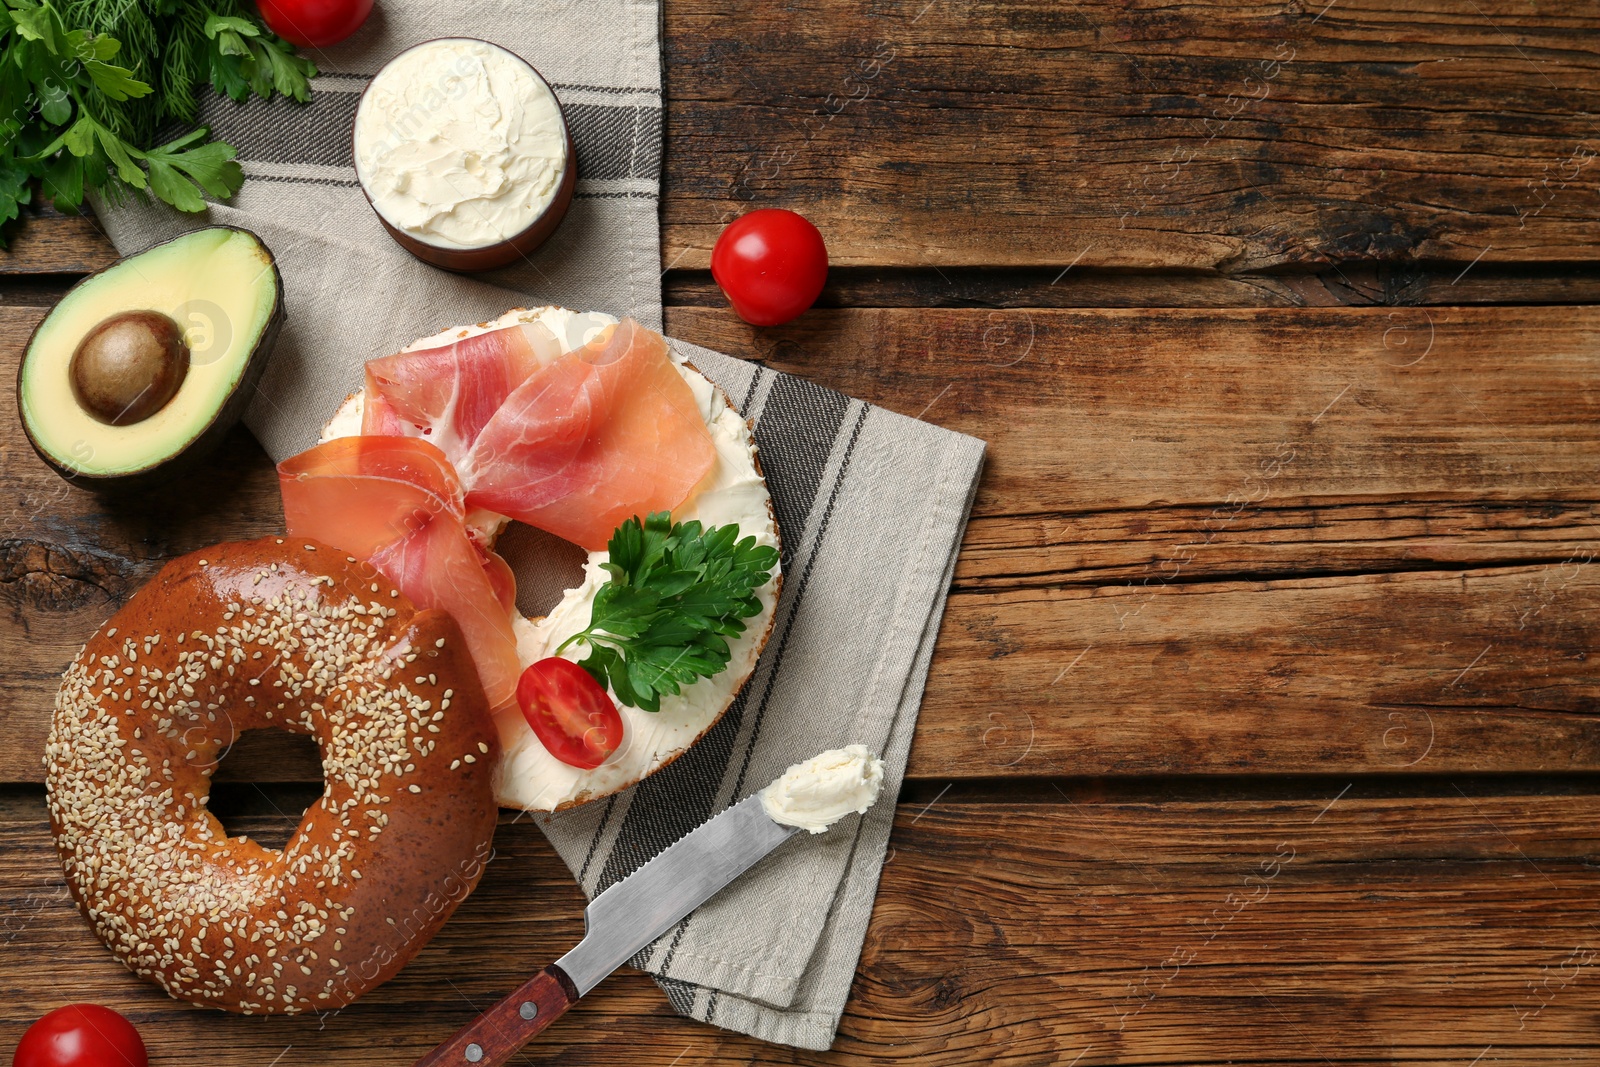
264	784
545	566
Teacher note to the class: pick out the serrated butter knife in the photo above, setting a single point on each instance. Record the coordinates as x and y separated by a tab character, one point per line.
618	924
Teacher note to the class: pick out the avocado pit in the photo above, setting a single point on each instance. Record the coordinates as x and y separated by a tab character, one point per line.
129	366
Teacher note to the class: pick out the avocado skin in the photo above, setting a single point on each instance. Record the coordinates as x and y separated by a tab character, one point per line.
207	441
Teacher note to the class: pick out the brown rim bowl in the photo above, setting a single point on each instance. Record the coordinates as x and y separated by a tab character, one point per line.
500	253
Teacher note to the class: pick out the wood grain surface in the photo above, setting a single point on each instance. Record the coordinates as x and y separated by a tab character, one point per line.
1205	541
1261	726
1329	927
1213	135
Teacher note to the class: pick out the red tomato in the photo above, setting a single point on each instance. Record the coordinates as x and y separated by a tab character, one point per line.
771	264
571	713
81	1035
314	23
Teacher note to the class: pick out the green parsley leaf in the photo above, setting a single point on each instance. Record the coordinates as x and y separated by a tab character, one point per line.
676	593
37	23
175	171
121	154
216	23
55	106
230	43
118	83
13	190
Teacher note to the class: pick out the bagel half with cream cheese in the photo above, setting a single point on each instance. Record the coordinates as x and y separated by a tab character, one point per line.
733	492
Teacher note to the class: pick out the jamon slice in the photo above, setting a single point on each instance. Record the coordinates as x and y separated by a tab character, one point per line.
448	393
380	419
604	433
396	503
438	566
361	493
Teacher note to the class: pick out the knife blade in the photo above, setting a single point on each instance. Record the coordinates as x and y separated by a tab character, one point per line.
617	925
620	922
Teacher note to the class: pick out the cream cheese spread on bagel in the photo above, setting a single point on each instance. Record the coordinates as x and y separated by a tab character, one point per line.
734	491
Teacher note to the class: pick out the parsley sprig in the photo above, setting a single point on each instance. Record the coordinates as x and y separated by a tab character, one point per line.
677	592
77	110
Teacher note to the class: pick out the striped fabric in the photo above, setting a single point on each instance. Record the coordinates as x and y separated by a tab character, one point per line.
616	134
871	505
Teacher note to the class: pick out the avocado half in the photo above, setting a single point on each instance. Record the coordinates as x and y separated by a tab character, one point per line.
220	288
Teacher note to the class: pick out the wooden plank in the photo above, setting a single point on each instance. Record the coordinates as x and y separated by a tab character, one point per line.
1189	543
47	242
1428	672
1135	409
50	250
1124	507
1349	285
1325	928
1211	136
1207	135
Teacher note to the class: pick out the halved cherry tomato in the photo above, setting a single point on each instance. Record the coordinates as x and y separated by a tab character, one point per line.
314	23
771	264
81	1035
570	712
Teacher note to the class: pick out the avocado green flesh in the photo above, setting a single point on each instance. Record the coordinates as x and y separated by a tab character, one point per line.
218	284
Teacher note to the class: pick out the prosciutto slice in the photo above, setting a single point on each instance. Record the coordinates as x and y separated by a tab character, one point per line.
396	502
448	393
602	434
573	444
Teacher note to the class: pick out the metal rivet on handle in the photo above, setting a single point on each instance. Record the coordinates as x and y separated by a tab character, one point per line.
474	1052
528	1010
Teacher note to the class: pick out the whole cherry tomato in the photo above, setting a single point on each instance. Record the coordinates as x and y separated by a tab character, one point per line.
570	712
771	264
314	23
81	1035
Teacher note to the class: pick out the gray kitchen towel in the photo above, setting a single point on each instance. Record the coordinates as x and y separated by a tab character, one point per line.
871	505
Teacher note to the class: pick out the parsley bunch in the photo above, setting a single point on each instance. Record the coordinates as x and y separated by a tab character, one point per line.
676	594
77	111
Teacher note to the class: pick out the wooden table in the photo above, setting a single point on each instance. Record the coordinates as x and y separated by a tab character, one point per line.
1262	726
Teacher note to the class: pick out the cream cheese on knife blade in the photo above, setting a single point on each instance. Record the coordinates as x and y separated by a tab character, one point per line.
824	789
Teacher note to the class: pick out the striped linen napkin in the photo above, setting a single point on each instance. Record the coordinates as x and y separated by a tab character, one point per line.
871	505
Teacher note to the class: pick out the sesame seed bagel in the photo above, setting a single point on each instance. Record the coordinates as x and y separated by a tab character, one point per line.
300	637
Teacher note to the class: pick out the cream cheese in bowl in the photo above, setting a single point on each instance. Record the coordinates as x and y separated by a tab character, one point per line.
461	147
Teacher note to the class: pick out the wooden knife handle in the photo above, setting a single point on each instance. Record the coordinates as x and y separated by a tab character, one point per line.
495	1036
